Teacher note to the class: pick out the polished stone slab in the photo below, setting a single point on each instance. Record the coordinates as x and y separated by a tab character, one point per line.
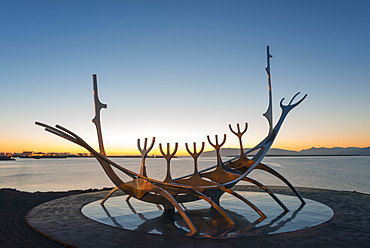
139	216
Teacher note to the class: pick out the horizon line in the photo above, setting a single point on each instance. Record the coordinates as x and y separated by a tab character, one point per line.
138	154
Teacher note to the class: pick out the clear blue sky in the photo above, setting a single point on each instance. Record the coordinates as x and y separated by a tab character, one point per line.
181	70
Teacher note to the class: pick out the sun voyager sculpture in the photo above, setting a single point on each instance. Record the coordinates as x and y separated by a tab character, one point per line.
207	184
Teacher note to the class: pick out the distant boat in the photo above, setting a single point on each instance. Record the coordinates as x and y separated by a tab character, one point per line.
6	158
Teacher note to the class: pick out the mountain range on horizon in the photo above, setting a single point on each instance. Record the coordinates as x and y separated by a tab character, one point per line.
322	151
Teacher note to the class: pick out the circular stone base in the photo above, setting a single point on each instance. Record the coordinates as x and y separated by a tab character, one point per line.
145	217
62	220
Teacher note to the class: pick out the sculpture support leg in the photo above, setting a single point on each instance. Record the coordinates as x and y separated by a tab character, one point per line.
250	180
186	218
275	173
109	195
215	206
231	192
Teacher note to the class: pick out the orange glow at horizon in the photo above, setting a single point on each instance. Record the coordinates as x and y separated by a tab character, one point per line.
155	151
288	139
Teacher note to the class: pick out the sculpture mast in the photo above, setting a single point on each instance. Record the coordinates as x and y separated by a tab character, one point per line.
268	113
98	105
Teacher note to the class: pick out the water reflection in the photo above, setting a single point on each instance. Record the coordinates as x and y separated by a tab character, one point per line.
148	218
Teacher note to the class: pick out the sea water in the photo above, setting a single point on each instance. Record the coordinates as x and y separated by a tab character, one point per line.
350	173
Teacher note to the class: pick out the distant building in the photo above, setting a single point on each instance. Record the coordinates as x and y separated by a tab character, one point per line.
83	154
38	154
58	154
27	154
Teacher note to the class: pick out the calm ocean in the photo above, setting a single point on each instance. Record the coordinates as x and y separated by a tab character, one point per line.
350	173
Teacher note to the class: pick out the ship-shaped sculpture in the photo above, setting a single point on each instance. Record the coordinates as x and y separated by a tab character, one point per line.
208	184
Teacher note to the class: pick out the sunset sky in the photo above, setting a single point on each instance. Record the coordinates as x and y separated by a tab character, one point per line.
182	70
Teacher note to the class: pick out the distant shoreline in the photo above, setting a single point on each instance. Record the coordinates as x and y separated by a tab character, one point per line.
276	152
267	155
204	156
225	152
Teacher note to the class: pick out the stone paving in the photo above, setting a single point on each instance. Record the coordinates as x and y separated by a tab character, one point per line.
14	205
350	226
14	232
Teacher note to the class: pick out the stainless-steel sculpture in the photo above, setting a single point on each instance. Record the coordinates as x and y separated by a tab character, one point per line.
209	184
